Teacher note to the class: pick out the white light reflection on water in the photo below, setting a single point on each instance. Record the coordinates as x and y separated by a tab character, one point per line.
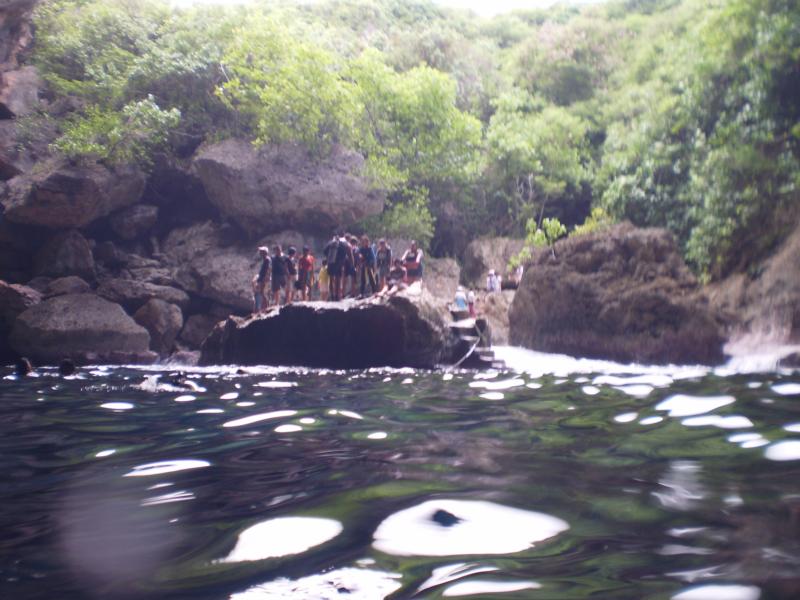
626	417
729	422
449	573
470	527
470	588
785	450
787	389
117	405
276	384
504	384
720	592
282	537
682	483
166	466
277	414
681	405
360	584
288	428
492	396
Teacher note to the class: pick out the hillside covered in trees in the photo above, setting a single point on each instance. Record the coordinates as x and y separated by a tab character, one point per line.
682	114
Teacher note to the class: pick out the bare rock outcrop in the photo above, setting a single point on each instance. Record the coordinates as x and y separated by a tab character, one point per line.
16	31
66	285
487	253
163	322
19	92
14	300
66	196
283	186
67	253
403	331
623	294
133	294
134	221
83	327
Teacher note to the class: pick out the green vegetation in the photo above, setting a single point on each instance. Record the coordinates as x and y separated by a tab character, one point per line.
674	113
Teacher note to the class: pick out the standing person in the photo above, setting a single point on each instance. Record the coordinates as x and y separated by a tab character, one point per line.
280	274
324	280
335	266
366	266
492	282
291	270
471	303
460	299
383	262
412	260
351	263
305	272
260	280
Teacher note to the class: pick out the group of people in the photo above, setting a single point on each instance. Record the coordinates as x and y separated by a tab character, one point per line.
351	267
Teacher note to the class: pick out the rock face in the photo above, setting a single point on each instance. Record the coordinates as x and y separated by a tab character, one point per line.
197	328
163	322
67	253
64	196
623	294
278	187
19	92
15	31
401	331
82	327
441	277
66	285
14	300
133	294
487	253
132	222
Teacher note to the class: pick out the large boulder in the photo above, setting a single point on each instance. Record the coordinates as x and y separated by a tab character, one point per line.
66	285
14	300
83	327
403	331
61	195
67	253
134	221
19	92
13	160
133	294
211	263
441	277
163	322
16	31
487	253
197	328
285	186
622	294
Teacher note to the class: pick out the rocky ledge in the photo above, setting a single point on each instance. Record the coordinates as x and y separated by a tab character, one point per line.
406	330
623	294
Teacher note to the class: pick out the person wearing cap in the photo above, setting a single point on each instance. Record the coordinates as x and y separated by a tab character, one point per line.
305	274
383	262
260	281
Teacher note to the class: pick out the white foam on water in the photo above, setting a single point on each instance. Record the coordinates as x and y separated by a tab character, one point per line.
682	405
720	592
283	536
479	527
277	414
361	584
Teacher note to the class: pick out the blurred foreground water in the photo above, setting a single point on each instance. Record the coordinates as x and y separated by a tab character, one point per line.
557	479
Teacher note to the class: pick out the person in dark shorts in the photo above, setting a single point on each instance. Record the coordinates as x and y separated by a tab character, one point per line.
366	266
383	262
351	265
396	281
260	281
280	274
412	260
291	277
324	280
305	274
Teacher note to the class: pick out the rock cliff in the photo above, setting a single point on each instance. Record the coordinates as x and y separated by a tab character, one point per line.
622	294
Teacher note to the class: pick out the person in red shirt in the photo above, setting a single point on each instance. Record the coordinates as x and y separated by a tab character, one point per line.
305	274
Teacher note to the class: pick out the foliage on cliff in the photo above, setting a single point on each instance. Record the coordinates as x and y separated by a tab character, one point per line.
675	113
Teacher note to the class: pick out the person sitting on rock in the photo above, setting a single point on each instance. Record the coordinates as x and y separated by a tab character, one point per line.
396	281
260	280
324	280
383	262
305	274
366	266
412	260
291	274
280	274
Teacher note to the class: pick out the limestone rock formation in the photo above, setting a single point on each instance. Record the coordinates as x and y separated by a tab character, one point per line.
487	253
14	300
16	31
66	253
623	294
19	92
197	328
133	294
403	331
281	186
134	221
82	327
65	196
163	322
441	277
66	285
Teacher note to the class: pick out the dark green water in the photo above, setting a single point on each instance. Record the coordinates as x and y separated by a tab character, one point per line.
674	483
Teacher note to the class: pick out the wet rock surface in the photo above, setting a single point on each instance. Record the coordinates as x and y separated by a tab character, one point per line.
278	186
82	327
402	331
623	294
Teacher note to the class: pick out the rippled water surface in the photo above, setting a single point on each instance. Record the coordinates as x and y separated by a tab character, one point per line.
555	479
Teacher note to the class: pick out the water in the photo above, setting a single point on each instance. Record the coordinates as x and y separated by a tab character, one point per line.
558	479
